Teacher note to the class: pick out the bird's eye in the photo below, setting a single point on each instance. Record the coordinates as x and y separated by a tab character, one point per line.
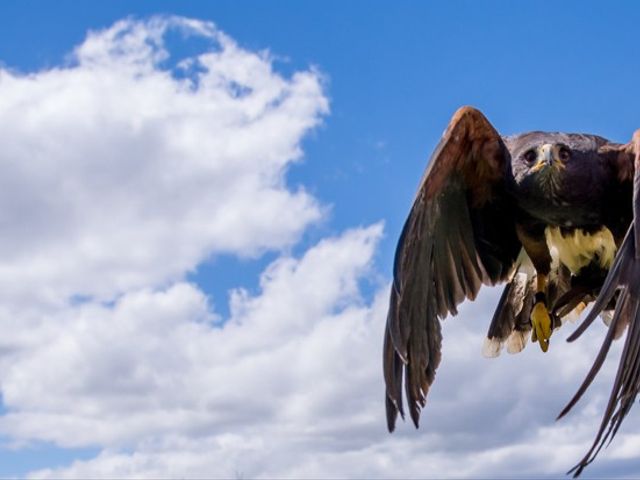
530	156
564	153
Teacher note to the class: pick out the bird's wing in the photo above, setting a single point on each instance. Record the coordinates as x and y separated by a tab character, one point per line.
623	280
460	234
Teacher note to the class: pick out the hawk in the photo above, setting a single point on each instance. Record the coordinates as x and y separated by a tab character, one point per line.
550	214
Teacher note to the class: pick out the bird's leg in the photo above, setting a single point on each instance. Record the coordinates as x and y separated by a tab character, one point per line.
535	244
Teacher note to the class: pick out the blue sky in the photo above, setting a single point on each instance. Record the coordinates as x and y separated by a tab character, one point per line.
391	75
396	73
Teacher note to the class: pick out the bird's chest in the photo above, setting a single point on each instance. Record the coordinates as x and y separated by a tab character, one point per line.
578	248
564	201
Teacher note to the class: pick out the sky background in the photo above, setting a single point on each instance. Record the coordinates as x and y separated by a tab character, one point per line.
199	205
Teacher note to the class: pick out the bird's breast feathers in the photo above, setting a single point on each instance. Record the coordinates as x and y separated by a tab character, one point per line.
577	249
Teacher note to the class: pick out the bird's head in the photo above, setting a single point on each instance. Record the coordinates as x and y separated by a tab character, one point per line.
541	164
544	163
556	170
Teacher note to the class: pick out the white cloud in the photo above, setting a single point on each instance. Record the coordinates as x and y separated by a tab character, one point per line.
120	173
153	370
306	402
154	364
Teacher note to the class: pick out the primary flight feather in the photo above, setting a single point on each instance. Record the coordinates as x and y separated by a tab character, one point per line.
553	216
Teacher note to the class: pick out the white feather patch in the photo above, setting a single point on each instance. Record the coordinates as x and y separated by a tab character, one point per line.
525	265
572	316
517	296
578	249
491	347
517	341
607	316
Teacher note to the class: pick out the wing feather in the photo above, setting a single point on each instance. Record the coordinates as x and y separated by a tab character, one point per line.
459	234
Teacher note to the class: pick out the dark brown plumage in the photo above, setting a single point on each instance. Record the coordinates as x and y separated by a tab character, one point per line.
545	212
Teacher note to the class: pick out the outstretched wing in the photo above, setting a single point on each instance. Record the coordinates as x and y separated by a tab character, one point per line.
460	234
623	286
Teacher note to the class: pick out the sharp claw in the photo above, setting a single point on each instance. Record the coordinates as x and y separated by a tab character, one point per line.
544	345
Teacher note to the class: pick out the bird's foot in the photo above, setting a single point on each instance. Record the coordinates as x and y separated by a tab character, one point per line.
541	323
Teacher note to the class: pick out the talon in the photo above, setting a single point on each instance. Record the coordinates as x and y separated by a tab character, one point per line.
541	323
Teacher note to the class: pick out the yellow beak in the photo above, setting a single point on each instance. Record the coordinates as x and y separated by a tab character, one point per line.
546	158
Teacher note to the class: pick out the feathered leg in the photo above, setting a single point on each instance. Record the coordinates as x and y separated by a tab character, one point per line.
535	244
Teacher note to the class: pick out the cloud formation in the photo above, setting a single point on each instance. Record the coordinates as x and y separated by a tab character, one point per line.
128	167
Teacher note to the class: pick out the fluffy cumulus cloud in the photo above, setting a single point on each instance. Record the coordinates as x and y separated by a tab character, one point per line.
121	172
290	387
128	166
154	367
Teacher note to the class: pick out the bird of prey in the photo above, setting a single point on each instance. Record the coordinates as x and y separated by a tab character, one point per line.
551	214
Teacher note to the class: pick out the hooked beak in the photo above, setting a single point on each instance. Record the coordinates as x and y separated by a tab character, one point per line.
546	158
